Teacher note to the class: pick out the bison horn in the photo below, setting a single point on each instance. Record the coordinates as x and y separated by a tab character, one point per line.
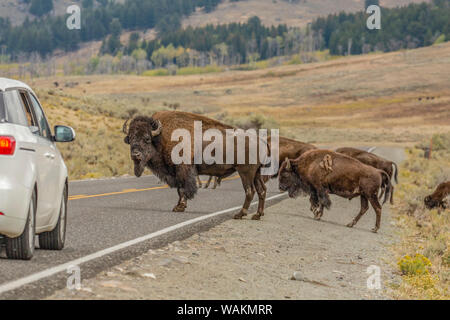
288	164
124	128
158	130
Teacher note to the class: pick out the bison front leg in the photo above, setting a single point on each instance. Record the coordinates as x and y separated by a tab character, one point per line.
187	186
362	211
182	201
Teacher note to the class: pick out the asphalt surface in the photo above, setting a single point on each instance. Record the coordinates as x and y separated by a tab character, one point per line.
107	213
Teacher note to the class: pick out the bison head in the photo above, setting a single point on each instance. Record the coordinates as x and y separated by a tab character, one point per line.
140	135
288	179
431	203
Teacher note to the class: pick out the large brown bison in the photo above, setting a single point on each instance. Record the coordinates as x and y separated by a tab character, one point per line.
151	145
318	173
437	198
375	161
288	148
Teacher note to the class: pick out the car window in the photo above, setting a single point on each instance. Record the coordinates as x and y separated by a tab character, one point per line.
40	118
13	109
28	113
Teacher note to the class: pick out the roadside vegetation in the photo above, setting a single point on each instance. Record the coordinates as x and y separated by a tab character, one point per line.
423	254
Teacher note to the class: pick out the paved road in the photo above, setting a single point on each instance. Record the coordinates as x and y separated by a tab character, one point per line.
116	219
106	213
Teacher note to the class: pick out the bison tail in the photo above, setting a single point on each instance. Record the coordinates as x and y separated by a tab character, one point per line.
386	184
396	172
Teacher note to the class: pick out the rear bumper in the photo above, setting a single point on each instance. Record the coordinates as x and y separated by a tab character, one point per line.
14	201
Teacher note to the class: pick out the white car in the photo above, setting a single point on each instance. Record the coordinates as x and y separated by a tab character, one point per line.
33	176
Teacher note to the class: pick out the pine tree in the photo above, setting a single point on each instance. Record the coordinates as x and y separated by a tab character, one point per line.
41	7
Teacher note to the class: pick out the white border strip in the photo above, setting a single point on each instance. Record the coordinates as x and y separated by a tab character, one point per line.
63	267
371	149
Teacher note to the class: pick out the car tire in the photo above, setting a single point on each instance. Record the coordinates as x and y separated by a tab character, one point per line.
22	247
54	240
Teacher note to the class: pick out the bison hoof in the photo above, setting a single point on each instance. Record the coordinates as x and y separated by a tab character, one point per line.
256	216
239	215
179	208
375	230
350	225
317	217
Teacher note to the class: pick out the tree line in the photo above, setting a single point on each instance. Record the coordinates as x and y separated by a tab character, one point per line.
412	26
48	33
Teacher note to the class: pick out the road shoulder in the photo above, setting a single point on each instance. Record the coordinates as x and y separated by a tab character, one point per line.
258	260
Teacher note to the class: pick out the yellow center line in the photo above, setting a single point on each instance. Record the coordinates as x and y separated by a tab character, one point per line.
83	196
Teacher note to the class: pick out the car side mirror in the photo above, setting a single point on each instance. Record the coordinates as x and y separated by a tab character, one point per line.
64	134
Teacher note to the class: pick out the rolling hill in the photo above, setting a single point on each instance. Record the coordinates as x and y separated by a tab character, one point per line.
272	12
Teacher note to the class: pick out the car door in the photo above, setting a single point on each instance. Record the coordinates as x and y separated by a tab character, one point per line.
47	164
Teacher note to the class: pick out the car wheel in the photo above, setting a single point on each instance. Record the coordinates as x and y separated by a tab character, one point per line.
54	240
22	247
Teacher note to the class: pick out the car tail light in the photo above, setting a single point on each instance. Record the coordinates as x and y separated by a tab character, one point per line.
7	145
2	214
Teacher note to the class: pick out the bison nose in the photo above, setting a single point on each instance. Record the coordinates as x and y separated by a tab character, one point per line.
136	155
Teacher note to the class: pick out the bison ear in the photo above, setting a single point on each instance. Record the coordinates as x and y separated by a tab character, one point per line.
126	140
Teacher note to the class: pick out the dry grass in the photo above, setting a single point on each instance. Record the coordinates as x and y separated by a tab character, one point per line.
424	234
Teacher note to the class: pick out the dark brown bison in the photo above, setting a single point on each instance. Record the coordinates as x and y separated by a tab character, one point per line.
375	161
292	149
318	173
151	145
437	198
288	148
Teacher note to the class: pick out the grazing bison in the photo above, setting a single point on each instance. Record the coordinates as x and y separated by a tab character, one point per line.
319	173
375	161
437	198
151	145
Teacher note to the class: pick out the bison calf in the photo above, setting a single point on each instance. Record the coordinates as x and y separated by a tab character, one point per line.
437	198
319	173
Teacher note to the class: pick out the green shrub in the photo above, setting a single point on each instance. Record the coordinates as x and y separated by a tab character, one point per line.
156	73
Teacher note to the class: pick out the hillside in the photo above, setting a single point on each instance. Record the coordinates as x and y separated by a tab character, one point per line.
273	12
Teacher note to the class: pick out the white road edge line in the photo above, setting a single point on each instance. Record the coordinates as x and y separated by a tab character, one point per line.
371	149
63	267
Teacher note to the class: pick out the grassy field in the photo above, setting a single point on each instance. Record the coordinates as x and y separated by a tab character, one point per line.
424	251
398	98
